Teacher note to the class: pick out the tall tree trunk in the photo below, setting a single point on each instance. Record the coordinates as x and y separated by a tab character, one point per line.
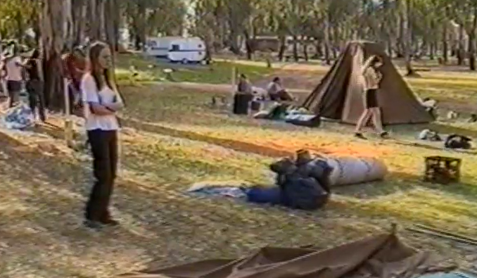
304	41
283	47
327	40
111	25
318	48
295	48
79	12
102	20
94	30
445	46
53	20
461	48
407	37
432	50
20	30
248	45
472	41
401	35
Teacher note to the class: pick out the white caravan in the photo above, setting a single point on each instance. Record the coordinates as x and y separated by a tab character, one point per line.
177	49
158	47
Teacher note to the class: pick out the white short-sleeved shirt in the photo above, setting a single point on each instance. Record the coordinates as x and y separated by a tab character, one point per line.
90	95
14	71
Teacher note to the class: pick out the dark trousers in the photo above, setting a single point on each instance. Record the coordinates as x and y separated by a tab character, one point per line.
104	146
36	98
72	91
14	87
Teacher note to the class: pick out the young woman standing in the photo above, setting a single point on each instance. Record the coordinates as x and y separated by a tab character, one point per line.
101	102
372	79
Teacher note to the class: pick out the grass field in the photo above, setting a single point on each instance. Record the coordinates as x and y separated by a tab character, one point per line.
219	72
173	138
167	112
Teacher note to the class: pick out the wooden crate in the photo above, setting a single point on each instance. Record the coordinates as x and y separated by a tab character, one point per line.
443	170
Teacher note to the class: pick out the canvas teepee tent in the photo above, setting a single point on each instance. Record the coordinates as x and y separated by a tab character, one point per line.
339	94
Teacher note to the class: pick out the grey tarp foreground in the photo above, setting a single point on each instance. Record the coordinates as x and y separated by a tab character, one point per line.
339	95
382	256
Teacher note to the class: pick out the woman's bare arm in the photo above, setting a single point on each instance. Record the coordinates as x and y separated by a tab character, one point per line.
99	109
115	106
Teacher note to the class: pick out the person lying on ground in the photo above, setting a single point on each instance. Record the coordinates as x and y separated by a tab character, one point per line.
277	92
372	77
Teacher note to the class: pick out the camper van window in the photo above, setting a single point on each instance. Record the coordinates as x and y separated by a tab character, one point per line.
175	47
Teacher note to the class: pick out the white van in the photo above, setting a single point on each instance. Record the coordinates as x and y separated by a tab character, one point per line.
177	49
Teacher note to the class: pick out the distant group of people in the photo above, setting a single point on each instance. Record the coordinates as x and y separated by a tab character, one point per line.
274	91
13	69
371	76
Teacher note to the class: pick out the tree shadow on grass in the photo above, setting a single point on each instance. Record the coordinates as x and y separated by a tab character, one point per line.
166	225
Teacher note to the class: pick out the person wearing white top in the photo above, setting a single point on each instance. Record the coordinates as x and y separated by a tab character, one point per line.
14	76
277	92
101	102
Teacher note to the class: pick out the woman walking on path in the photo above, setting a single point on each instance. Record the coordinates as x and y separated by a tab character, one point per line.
372	79
101	102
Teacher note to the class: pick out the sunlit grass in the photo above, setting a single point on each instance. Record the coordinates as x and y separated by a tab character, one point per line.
220	72
403	196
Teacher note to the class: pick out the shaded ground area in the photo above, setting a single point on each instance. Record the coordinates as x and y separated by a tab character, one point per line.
41	233
173	138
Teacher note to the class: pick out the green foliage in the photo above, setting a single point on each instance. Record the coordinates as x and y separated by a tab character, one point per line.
16	16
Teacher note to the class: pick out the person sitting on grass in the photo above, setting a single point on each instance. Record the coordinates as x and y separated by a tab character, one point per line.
277	92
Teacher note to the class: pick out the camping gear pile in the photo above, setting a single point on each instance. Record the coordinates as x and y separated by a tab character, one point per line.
290	114
456	141
383	255
19	117
430	135
302	183
453	141
355	170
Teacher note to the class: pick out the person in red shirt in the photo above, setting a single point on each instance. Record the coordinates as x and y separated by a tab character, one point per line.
74	67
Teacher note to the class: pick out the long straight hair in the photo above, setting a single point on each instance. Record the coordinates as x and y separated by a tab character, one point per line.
99	74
